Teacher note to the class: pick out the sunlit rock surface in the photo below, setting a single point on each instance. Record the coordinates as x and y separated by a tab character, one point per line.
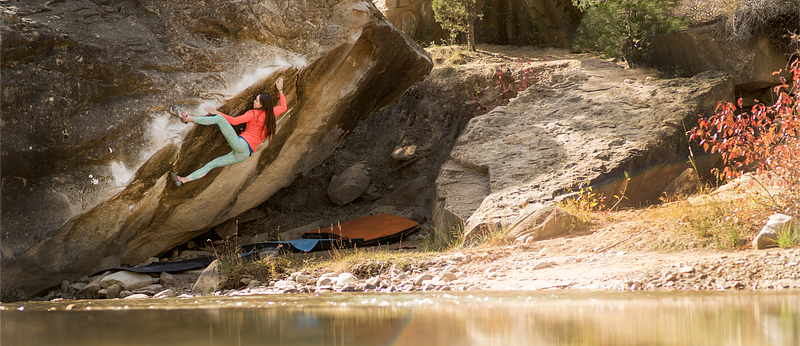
87	142
584	121
752	64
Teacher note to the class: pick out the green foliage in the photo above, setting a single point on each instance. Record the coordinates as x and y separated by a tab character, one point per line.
442	240
723	224
423	37
623	29
455	16
788	236
583	204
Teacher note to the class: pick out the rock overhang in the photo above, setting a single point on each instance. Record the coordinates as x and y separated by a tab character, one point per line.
119	205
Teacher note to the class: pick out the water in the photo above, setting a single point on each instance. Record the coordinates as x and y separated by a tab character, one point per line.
453	318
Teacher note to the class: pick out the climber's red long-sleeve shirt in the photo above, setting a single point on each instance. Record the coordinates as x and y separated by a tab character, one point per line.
255	120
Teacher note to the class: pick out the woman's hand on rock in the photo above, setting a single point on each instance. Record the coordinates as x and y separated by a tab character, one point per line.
211	110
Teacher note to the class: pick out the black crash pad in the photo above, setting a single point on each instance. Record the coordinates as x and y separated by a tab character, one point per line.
169	267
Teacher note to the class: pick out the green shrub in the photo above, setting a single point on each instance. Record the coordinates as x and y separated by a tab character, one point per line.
456	16
623	29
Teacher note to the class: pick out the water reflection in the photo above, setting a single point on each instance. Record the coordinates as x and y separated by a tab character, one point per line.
486	318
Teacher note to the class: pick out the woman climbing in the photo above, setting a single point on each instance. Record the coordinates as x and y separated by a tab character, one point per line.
260	125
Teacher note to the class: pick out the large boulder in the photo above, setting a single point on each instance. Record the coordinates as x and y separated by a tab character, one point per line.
87	142
751	64
586	121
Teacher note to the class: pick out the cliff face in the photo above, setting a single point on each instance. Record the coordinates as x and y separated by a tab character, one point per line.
87	143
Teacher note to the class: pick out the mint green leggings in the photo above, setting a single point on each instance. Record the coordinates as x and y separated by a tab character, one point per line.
240	152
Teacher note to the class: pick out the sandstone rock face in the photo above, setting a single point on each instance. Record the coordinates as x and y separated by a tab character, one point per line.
414	18
548	23
521	22
702	49
87	142
584	121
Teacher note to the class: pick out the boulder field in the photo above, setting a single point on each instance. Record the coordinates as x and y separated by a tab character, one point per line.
87	143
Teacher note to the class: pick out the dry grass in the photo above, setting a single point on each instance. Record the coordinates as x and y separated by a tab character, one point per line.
704	11
449	55
745	19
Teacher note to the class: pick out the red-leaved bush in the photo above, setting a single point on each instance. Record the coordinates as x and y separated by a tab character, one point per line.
763	140
506	87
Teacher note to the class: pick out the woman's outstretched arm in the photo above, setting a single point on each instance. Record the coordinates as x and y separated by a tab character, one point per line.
281	107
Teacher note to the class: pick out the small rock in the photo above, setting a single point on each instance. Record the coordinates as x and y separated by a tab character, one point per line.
450	269
209	280
285	284
447	277
137	296
428	287
405	153
768	235
418	281
149	261
301	278
542	265
348	288
168	293
325	288
349	185
127	280
113	291
418	215
150	289
345	278
325	281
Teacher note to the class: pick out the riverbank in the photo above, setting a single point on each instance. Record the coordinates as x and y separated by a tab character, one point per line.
638	249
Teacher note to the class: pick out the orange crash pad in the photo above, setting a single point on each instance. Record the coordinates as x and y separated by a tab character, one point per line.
375	229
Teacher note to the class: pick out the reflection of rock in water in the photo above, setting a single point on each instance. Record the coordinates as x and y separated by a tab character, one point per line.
85	120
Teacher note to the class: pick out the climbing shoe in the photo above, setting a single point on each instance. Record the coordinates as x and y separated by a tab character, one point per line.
176	111
175	179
